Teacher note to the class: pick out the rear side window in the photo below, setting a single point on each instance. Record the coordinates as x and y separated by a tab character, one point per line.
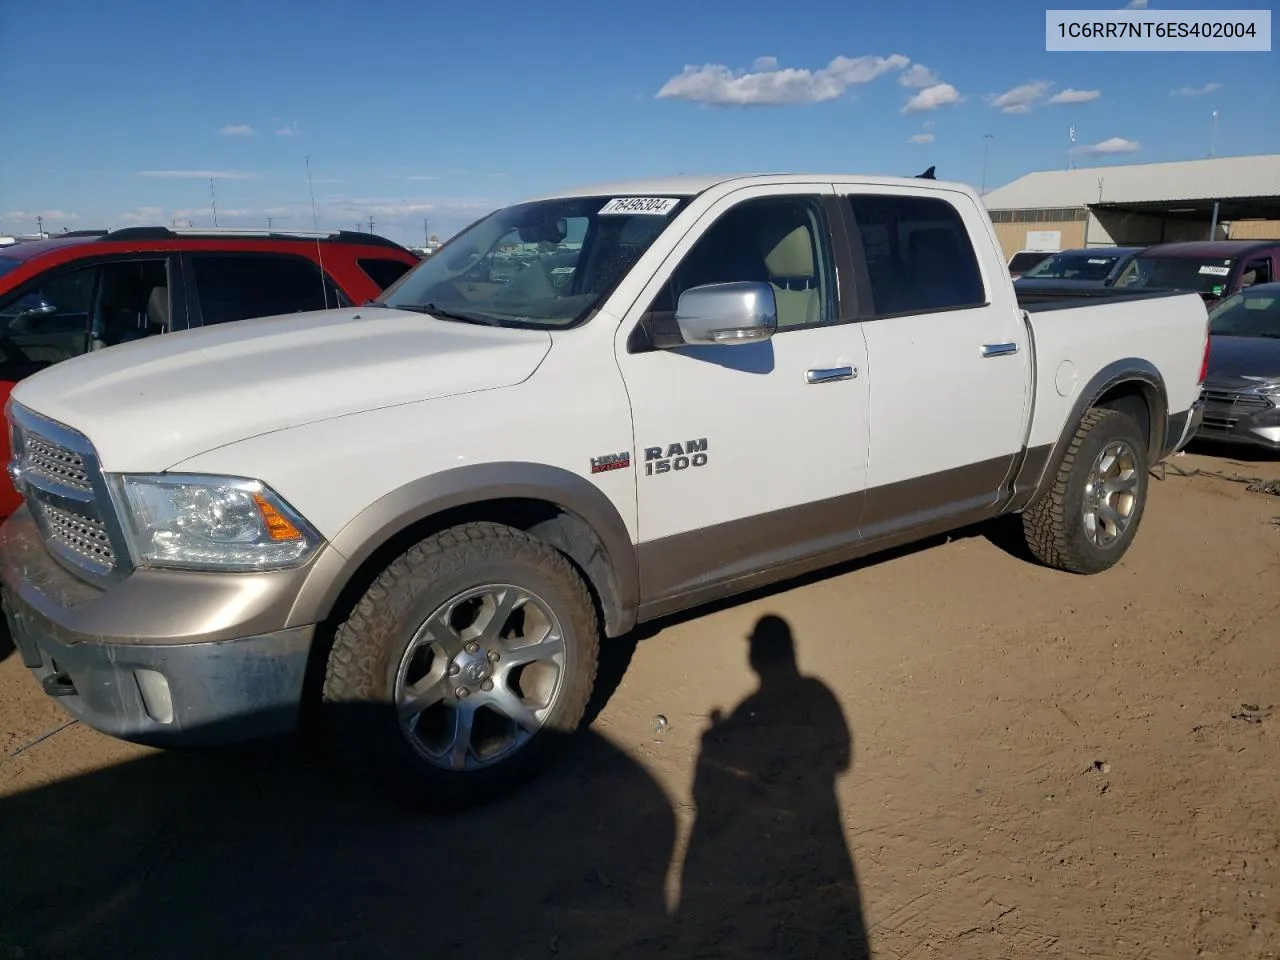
918	255
384	272
240	286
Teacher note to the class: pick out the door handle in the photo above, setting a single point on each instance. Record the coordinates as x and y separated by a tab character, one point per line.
829	374
999	349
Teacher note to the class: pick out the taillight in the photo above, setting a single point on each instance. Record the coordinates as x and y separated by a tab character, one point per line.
1204	364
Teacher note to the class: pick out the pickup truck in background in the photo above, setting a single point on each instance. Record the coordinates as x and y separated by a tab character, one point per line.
741	380
79	292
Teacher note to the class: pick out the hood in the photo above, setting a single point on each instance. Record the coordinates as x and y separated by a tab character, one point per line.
153	403
1233	359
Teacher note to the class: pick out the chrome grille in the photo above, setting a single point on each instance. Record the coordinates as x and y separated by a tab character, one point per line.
56	470
56	463
84	537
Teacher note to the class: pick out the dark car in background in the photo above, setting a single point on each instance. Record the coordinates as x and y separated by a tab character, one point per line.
1086	267
1213	268
1242	389
75	293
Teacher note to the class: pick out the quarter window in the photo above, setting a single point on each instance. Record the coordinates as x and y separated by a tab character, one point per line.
918	255
384	271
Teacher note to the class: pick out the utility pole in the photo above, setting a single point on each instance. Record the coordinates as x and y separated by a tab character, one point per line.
426	234
269	223
371	223
213	201
1071	150
40	227
986	144
1213	134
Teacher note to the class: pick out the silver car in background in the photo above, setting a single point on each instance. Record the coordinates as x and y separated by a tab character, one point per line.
1242	388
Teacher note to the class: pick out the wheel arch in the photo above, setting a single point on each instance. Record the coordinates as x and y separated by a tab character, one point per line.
1132	386
561	508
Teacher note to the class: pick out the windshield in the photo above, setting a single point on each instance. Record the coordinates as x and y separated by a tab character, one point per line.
1247	314
546	264
1178	273
7	264
1075	266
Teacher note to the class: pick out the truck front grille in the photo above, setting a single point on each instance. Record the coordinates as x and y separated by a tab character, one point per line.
56	470
84	537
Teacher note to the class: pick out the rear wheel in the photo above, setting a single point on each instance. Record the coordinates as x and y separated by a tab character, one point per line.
1086	521
463	667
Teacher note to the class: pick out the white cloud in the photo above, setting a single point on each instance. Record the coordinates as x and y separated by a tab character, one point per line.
1136	5
918	76
1021	98
765	63
1075	96
931	98
716	85
50	217
236	130
423	176
920	138
198	174
1110	146
1196	91
143	215
289	130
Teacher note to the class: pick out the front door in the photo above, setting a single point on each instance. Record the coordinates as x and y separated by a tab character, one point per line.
949	357
747	456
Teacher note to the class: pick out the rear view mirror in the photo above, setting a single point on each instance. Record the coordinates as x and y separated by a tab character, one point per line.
544	231
727	313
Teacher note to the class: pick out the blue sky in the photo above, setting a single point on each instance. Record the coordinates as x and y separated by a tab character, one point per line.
117	113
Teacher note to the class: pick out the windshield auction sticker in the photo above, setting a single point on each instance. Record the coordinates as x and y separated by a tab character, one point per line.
659	206
1158	31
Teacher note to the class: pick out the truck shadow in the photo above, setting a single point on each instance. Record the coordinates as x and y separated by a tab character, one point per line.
6	641
266	851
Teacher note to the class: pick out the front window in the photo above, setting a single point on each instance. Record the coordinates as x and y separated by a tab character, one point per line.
542	265
1074	266
1208	275
1247	315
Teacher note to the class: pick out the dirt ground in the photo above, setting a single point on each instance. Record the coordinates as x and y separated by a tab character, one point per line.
978	758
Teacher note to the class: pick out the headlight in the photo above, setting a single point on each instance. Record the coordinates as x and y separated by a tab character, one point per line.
212	523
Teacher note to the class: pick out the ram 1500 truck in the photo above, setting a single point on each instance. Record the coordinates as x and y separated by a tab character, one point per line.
421	516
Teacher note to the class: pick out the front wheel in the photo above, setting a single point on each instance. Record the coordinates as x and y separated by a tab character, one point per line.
463	667
1086	521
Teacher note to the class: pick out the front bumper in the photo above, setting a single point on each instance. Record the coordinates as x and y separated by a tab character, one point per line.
214	676
1240	419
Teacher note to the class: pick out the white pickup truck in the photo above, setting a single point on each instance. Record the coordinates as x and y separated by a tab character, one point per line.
421	516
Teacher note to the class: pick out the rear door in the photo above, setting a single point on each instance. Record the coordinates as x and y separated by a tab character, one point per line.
947	353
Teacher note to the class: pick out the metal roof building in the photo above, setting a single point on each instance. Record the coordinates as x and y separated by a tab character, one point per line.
1140	203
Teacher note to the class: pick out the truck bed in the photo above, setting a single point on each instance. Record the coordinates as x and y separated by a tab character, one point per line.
1051	298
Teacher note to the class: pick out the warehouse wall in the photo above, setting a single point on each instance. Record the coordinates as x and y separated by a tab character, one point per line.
1255	230
1013	236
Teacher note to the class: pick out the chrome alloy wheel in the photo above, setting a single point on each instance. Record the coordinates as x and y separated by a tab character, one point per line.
1110	494
480	676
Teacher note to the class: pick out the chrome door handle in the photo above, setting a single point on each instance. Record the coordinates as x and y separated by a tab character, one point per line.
829	374
999	349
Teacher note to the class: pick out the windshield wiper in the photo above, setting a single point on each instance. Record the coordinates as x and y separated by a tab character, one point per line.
431	309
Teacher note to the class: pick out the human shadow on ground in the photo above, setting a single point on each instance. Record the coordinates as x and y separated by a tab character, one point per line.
768	872
266	850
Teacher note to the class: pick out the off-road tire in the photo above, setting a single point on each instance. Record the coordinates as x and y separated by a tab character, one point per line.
357	699
1053	526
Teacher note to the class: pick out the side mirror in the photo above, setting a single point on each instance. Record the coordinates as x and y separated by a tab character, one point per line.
727	313
30	311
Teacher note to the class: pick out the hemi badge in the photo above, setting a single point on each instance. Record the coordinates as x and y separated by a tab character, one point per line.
610	461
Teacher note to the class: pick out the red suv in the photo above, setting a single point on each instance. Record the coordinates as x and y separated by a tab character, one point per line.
90	290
